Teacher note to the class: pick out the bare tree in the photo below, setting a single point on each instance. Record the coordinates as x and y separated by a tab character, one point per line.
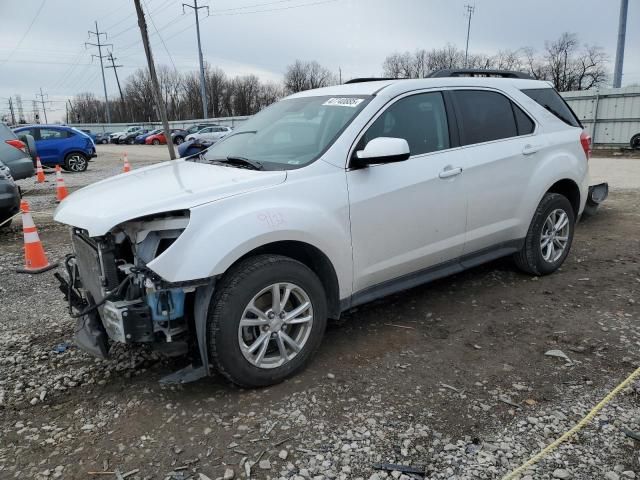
303	75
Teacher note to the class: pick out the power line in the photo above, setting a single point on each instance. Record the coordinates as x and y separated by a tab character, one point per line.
161	39
25	33
291	7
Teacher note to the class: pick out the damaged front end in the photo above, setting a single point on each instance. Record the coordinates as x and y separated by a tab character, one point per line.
115	297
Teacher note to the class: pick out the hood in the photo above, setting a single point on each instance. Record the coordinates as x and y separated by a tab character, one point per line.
175	185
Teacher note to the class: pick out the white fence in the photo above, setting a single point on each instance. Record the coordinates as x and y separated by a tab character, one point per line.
611	115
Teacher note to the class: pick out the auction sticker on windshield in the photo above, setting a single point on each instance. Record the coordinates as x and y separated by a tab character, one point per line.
344	102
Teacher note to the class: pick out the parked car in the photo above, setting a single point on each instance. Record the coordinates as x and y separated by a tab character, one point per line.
102	137
210	133
323	201
115	136
159	138
178	135
60	145
9	196
92	135
142	137
130	138
181	134
16	154
192	147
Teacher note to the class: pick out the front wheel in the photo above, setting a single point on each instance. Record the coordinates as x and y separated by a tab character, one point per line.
266	320
635	142
549	238
178	140
76	162
156	141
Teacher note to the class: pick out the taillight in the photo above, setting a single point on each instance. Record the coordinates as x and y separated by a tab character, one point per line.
19	144
585	141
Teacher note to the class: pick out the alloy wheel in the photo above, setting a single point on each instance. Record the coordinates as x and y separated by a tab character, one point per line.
76	163
555	235
275	325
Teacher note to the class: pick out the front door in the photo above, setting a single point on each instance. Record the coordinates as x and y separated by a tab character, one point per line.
409	216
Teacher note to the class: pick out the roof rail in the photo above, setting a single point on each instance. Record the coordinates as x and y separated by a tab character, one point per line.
368	79
472	72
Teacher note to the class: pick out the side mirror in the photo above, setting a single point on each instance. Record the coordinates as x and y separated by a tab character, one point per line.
382	150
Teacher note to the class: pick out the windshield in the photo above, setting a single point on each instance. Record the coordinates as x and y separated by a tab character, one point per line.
290	133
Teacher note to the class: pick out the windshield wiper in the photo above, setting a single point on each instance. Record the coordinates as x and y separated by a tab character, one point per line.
241	162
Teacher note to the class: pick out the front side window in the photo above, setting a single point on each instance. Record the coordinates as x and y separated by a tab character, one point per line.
420	119
290	133
484	116
51	134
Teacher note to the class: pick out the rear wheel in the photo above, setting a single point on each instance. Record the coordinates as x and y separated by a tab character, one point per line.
549	238
635	142
76	162
266	320
178	140
155	141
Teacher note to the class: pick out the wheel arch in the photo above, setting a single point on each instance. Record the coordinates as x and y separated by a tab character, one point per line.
570	190
314	258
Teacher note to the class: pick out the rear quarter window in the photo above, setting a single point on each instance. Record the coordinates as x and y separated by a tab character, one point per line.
553	102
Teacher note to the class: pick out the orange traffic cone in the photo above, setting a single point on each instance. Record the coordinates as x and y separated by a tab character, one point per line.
35	260
127	166
39	171
61	189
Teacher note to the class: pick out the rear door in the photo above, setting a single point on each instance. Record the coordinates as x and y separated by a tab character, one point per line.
499	145
51	143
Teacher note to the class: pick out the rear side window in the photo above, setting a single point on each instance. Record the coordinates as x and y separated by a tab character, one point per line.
51	134
420	119
484	116
524	123
552	101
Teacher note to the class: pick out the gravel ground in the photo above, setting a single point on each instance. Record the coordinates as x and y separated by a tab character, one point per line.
451	378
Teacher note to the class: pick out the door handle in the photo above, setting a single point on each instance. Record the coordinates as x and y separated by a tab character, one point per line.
529	149
450	171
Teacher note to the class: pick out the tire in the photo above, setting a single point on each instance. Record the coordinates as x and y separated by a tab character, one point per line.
105	141
156	141
130	141
635	142
531	259
252	281
178	140
76	162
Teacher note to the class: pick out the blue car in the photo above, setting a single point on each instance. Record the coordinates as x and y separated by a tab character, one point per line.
59	145
142	137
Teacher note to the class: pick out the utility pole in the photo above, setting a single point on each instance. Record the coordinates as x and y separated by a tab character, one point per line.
13	115
203	90
97	33
340	74
20	109
36	112
115	71
470	9
622	32
44	110
142	23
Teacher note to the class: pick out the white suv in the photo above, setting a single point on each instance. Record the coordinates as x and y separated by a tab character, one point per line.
325	200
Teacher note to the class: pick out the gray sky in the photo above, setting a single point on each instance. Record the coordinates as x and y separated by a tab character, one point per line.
264	36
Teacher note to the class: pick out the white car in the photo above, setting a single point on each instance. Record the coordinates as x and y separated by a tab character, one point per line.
323	201
213	133
116	136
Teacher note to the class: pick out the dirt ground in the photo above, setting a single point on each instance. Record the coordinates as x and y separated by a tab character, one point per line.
451	376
